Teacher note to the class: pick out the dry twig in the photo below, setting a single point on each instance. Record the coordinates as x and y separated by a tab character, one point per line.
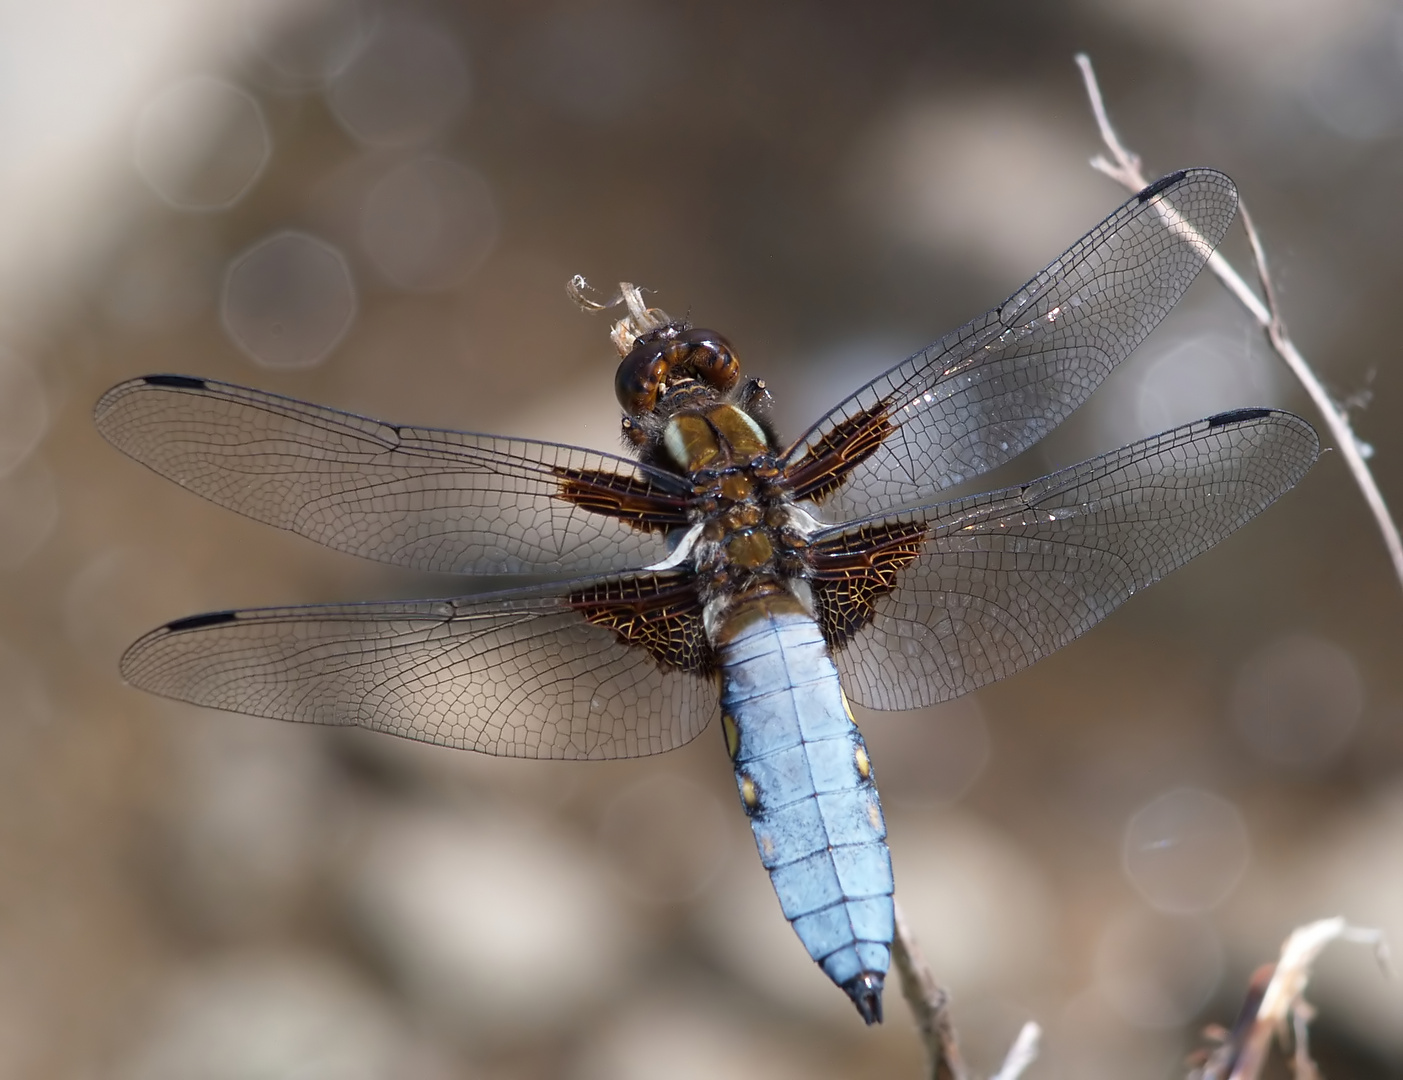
1124	168
1276	1006
1022	1053
931	1006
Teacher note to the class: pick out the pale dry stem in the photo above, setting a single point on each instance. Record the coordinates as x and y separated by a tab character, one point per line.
930	1005
1022	1053
1124	168
1282	1013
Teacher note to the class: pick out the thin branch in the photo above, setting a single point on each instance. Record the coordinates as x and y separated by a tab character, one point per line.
1124	168
1022	1053
1276	1007
930	1005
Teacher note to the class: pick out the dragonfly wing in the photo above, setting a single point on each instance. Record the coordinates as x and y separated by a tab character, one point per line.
989	390
419	497
928	604
600	668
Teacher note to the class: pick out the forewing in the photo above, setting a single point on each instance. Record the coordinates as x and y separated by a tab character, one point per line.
989	390
535	672
930	604
429	499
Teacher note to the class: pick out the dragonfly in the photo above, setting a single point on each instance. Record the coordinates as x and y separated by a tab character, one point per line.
716	569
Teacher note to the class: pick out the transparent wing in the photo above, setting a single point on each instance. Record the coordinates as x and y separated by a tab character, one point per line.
989	390
517	674
419	497
961	594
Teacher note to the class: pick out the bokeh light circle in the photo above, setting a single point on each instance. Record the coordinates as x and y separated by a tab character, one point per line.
1185	851
1297	701
1156	971
24	410
289	300
407	85
306	44
201	144
429	223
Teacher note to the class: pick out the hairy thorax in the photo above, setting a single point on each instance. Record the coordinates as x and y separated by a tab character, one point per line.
748	538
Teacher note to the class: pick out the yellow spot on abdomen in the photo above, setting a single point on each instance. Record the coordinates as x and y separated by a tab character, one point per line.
864	763
874	814
728	725
748	794
846	707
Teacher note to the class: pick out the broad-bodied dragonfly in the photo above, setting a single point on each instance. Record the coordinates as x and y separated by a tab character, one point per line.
721	569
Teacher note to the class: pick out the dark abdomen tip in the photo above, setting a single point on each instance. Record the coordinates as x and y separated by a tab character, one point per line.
866	992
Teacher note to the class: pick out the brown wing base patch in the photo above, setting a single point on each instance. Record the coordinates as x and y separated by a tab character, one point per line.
633	501
852	570
659	613
825	468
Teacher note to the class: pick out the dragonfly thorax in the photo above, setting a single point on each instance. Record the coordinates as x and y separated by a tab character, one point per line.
722	434
752	536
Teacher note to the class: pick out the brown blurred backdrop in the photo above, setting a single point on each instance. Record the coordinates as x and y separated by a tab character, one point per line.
376	206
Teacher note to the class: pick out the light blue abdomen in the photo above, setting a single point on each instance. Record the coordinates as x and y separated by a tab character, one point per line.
806	782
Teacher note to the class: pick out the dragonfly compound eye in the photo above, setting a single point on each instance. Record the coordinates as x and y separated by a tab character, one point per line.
641	375
711	357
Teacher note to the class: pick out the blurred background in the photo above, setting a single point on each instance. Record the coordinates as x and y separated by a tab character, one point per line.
376	206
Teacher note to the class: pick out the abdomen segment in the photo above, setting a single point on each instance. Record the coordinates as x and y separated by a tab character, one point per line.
806	782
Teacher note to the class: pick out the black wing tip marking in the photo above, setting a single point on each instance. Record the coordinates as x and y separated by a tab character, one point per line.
113	398
176	382
1160	184
1238	416
199	622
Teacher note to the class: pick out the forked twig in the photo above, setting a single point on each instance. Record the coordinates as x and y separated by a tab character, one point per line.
1125	170
1276	1006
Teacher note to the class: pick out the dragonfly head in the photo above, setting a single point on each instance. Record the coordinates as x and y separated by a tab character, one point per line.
668	356
659	352
668	367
